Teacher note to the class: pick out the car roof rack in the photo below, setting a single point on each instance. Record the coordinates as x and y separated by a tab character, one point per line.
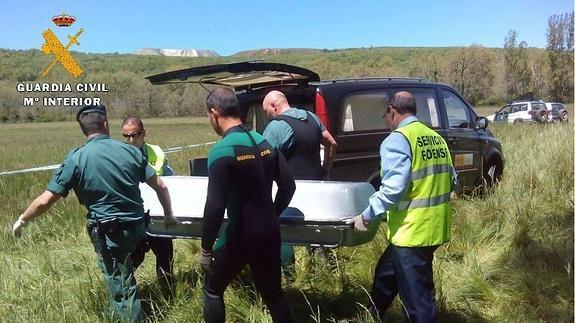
392	79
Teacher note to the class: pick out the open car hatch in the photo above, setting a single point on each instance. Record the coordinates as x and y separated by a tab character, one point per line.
240	76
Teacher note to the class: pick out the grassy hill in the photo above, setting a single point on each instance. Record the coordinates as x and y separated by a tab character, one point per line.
130	93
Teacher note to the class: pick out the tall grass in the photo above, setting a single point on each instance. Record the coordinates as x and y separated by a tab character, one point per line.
510	257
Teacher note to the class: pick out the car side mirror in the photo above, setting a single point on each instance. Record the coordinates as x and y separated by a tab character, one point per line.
481	123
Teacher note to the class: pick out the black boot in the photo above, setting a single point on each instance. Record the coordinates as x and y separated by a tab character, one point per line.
214	309
280	312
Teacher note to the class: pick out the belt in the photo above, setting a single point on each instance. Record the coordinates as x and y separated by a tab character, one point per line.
127	224
114	224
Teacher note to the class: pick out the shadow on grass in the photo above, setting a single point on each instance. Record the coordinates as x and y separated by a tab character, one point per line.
308	303
457	317
351	306
157	297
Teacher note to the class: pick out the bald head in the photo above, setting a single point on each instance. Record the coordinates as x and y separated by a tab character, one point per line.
403	102
275	103
134	121
133	131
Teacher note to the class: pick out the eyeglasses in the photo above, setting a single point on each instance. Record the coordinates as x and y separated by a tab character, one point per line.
133	134
386	111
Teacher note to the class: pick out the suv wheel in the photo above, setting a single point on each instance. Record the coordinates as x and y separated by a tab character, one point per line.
540	116
564	116
516	121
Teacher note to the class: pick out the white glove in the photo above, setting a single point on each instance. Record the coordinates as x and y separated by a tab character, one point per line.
359	223
17	227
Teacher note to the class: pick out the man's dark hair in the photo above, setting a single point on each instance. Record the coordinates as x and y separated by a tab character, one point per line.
403	102
132	120
225	101
91	118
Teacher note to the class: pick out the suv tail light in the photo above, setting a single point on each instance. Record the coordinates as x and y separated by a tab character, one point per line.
321	110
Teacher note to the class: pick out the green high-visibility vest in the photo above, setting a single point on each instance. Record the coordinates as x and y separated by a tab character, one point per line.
423	216
156	158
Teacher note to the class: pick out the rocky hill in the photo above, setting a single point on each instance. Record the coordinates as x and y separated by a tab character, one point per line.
177	52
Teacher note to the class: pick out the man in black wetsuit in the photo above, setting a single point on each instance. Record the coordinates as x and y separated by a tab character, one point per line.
241	169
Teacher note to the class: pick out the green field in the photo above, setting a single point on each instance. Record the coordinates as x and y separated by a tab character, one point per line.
510	258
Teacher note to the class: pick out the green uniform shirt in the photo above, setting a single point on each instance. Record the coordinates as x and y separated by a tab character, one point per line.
105	175
279	133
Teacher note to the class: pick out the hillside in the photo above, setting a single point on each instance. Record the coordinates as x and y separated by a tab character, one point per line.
276	51
130	93
177	52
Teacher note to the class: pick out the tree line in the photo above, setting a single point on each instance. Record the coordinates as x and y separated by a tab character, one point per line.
483	75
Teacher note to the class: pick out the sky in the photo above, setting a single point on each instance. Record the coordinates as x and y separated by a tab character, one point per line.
228	27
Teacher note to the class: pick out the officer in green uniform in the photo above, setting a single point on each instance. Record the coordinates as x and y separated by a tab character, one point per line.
241	169
105	175
417	177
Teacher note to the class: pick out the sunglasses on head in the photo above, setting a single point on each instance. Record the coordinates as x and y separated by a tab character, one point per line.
133	134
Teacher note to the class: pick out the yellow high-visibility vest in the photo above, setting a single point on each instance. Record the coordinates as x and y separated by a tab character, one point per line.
423	216
156	158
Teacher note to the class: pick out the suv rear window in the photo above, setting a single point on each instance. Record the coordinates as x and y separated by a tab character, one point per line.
538	106
519	107
556	107
363	111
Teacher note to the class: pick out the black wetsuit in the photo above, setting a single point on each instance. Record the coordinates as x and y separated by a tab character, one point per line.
242	168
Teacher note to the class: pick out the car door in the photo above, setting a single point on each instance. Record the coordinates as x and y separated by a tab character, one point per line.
502	115
519	113
463	140
362	129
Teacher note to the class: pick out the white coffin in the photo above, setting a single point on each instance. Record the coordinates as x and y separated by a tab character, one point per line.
315	215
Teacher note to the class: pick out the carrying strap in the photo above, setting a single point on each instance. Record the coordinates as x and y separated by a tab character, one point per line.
259	162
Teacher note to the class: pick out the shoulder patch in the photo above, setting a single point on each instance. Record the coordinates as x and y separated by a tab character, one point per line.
220	152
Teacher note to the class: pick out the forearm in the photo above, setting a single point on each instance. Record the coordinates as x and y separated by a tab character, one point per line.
212	222
283	196
216	202
286	185
162	193
328	154
381	201
330	146
40	205
164	197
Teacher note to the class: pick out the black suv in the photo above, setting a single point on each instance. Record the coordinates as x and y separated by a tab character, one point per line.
352	109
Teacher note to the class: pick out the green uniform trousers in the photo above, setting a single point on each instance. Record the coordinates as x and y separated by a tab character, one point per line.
115	263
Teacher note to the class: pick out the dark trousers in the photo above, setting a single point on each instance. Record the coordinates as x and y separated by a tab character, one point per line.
407	271
288	261
163	249
116	265
264	262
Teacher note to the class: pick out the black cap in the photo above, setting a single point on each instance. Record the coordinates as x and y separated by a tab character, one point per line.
89	109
